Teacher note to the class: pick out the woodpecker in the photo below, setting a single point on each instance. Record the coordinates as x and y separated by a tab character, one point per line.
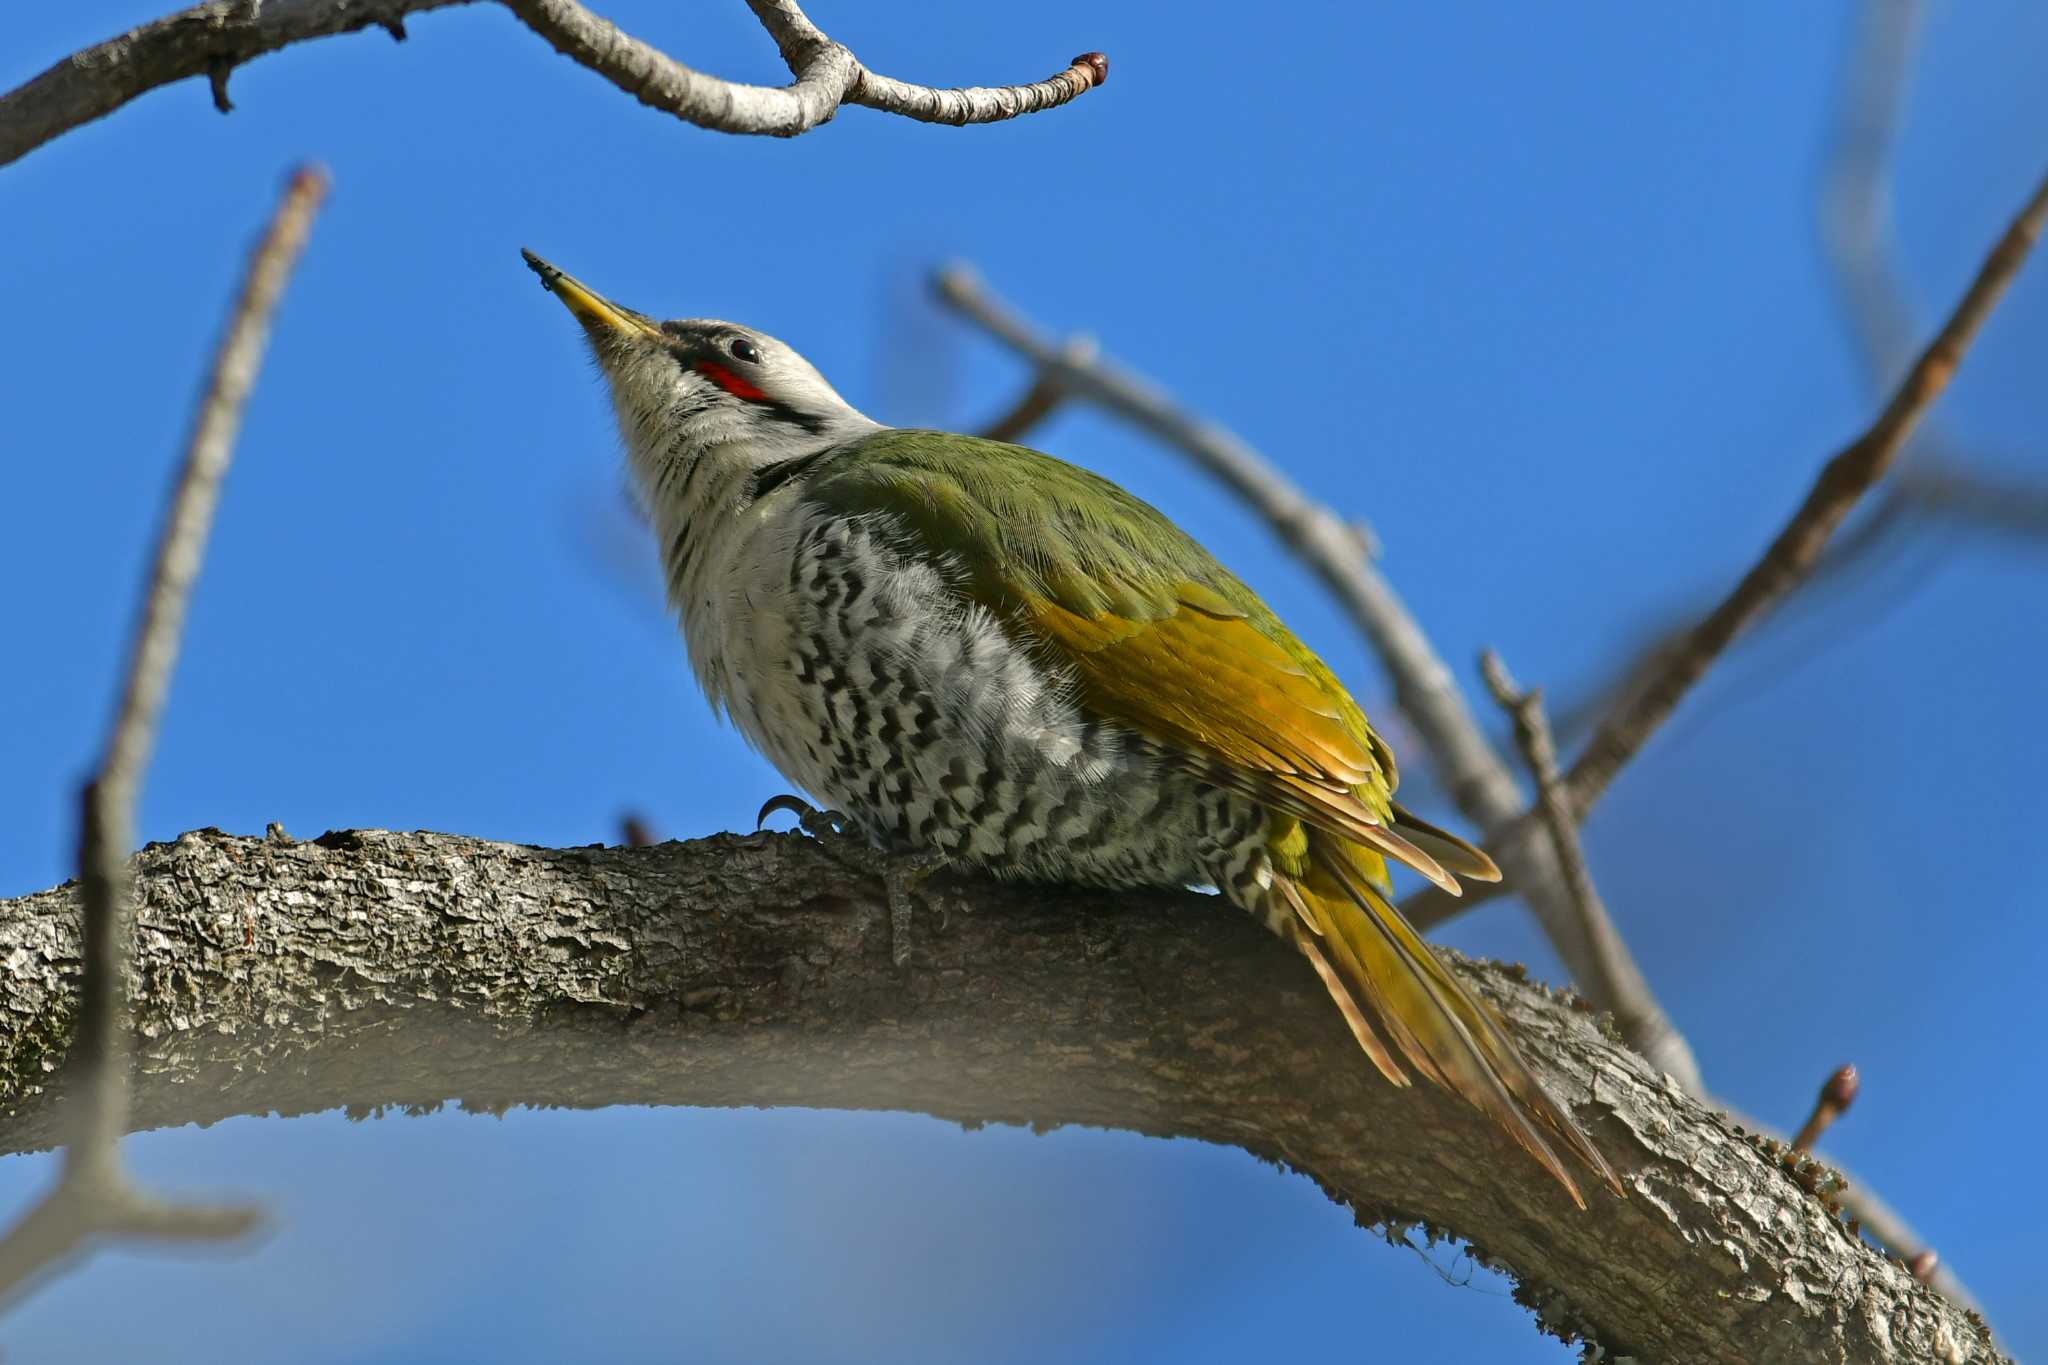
981	653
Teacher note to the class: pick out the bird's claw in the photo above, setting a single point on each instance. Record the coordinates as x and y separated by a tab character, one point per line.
902	876
812	821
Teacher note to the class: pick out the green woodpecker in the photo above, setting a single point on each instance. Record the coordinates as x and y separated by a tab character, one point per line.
978	651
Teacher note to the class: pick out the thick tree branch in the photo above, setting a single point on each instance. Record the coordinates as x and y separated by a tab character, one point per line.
93	1196
371	969
212	39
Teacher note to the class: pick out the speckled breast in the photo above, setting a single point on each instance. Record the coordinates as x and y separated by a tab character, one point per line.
888	695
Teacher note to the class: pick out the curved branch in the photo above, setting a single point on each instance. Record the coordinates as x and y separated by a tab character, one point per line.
368	968
825	74
212	39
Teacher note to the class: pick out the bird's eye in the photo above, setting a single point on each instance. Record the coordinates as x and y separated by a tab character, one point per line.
743	349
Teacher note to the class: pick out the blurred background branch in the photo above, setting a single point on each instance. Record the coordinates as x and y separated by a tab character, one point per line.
1797	549
1669	671
94	1196
1938	492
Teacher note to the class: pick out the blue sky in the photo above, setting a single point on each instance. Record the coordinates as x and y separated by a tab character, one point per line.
1534	289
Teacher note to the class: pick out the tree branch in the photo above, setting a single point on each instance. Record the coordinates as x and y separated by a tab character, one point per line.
93	1195
1786	564
1791	557
1644	1025
371	969
212	39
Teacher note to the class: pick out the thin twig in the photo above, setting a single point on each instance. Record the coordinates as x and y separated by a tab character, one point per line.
1837	1093
1478	779
1792	555
93	1196
1855	215
1619	982
1785	565
1933	483
212	39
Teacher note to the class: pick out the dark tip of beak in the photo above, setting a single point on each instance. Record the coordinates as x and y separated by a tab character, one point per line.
548	274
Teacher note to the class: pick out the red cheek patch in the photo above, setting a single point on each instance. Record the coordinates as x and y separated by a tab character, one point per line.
730	382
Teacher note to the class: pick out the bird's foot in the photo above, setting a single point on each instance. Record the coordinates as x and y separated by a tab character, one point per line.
902	874
903	879
822	825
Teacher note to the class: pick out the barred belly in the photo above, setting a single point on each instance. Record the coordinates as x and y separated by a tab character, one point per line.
887	694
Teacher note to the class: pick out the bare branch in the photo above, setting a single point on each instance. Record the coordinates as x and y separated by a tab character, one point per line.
366	968
1785	565
824	75
212	39
1619	983
92	1195
1793	554
1477	778
799	40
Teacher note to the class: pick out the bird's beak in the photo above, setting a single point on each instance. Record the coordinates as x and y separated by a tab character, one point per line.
598	314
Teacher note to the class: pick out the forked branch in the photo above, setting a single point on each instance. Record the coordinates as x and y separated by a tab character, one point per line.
212	39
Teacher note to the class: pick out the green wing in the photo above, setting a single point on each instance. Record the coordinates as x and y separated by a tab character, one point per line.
1161	637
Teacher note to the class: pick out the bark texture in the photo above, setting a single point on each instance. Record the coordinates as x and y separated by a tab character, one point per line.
368	968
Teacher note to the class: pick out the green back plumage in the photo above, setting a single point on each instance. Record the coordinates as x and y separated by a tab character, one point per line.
1164	637
1025	524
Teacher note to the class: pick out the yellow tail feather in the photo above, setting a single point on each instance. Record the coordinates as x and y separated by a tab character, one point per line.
1450	852
1391	988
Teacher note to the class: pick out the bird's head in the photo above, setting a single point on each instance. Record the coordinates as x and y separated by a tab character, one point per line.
696	386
